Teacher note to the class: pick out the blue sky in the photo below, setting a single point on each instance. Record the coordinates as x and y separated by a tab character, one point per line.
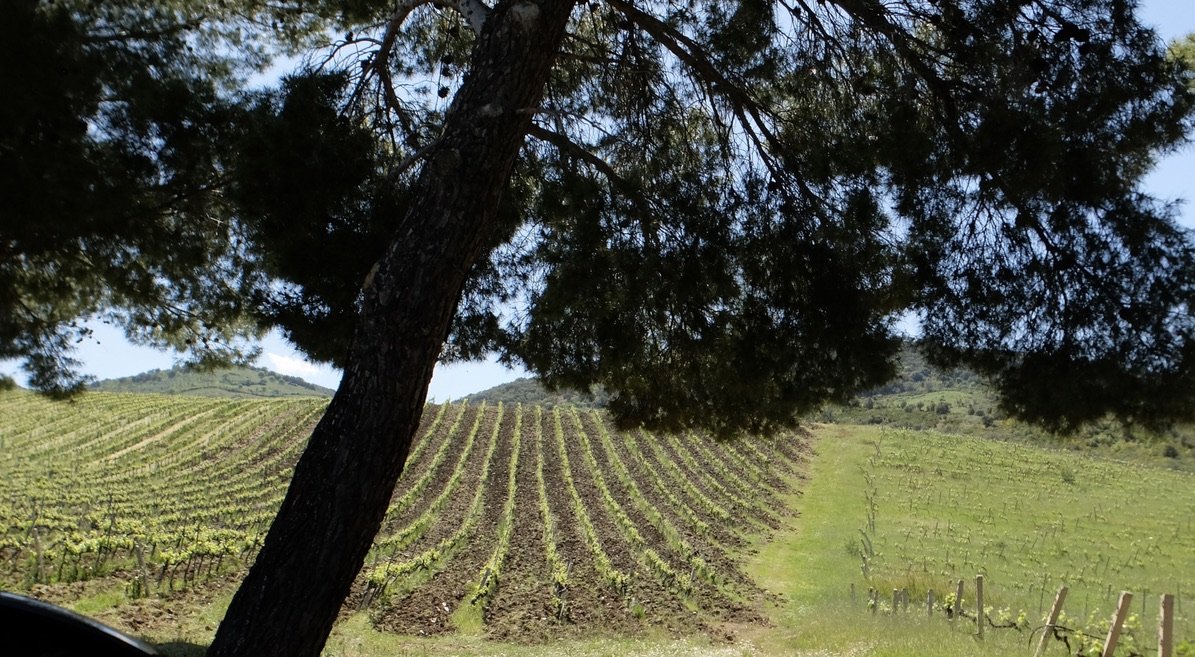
109	355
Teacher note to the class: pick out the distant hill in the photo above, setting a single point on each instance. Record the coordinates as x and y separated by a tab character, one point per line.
228	382
922	397
914	378
530	391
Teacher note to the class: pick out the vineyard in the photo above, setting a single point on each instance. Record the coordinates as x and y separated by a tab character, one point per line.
939	508
520	522
922	510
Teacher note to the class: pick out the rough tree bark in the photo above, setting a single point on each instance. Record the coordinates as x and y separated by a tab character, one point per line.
346	475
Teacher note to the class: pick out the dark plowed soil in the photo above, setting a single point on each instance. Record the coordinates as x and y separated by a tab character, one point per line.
713	554
521	608
589	602
428	608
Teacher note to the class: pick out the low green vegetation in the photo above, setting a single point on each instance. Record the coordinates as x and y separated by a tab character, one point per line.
896	509
531	531
923	397
234	382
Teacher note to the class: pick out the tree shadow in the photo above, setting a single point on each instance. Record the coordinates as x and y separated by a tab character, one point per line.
181	649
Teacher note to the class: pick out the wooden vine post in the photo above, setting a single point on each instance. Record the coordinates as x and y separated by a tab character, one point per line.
1122	612
979	615
1055	610
1166	626
958	602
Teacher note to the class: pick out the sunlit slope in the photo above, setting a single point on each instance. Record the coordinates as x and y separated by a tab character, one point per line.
893	509
177	484
236	382
519	522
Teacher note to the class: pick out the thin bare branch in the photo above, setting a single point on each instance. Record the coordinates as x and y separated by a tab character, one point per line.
576	151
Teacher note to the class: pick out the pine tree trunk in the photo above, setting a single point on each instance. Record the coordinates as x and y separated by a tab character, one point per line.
346	475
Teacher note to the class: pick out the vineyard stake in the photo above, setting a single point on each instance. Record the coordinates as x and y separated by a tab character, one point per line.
1117	621
895	601
1166	626
37	547
1122	611
929	603
958	602
979	605
1049	628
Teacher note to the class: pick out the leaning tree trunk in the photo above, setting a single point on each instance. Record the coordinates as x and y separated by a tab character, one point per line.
346	475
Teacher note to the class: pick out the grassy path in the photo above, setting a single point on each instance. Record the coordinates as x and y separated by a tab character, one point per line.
810	565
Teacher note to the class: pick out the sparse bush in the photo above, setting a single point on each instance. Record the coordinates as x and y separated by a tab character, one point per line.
852	547
1068	474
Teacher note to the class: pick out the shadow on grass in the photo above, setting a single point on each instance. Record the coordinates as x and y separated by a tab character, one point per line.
181	649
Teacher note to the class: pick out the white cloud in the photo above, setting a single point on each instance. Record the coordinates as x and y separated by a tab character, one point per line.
291	366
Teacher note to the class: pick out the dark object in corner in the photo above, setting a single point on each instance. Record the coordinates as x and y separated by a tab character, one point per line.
32	628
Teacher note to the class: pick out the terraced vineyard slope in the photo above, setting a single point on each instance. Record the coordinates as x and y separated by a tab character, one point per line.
519	522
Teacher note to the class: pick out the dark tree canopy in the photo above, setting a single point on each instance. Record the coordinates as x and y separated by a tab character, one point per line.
111	141
720	213
723	209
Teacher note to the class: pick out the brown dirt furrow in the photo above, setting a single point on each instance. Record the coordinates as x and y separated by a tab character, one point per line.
720	531
649	600
427	444
444	524
766	473
621	494
645	480
454	444
715	487
704	595
448	518
591	606
742	518
746	480
520	608
795	446
427	610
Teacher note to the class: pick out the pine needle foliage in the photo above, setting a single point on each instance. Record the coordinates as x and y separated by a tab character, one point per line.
720	213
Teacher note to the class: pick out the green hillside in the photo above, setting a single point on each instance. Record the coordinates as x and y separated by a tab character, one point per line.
225	382
958	402
518	523
528	530
922	397
528	390
890	509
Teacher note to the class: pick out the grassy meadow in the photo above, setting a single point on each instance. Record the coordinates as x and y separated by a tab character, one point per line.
950	507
